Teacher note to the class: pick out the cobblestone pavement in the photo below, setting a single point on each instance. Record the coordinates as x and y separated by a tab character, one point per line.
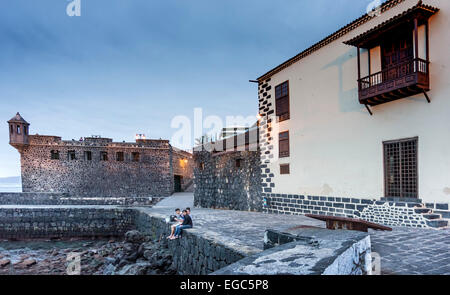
410	251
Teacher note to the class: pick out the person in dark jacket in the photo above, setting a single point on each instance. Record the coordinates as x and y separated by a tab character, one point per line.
187	223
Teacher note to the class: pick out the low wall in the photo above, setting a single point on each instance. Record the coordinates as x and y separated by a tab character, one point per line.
308	252
60	222
221	183
67	199
192	254
390	213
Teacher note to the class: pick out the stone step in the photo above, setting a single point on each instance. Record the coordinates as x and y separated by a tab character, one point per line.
421	210
432	216
444	214
437	223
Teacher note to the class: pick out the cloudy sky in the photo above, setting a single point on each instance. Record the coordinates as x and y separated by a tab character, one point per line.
129	66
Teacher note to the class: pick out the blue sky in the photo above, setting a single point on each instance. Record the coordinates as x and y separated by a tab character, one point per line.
129	66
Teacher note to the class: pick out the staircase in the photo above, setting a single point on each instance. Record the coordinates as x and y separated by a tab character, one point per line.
189	187
433	219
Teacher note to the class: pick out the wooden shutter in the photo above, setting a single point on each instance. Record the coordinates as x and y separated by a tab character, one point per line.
283	144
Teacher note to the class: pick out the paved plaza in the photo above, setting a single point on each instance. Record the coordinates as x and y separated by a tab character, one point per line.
403	251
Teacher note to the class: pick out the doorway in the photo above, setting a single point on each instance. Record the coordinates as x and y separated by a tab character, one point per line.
177	183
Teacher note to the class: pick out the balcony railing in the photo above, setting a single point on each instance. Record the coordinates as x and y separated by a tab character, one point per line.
402	80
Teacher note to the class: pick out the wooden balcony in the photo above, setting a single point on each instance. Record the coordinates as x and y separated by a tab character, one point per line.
400	81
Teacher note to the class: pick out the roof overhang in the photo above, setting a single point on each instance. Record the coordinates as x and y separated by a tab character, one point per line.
371	38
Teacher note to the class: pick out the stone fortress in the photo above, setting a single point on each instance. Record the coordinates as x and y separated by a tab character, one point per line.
99	167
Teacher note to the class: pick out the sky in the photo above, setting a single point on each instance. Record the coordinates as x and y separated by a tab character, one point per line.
130	66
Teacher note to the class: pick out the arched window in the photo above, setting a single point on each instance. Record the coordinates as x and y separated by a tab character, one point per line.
12	129
18	129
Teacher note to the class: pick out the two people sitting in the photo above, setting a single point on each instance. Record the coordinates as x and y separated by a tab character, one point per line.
184	221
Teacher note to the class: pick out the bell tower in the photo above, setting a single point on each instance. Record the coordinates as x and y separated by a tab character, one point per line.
18	131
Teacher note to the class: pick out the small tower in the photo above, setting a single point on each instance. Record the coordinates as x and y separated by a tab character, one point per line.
18	131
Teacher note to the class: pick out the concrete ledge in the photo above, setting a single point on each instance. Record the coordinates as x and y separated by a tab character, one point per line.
308	252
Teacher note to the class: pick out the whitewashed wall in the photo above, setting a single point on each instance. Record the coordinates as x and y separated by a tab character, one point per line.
336	146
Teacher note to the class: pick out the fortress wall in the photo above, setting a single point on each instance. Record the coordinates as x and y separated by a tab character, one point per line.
223	185
150	177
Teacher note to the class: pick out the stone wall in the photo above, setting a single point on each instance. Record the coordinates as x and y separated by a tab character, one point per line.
220	184
193	254
64	222
148	175
411	214
66	199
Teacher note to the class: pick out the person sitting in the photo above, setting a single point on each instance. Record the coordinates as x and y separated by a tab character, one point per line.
178	219
187	223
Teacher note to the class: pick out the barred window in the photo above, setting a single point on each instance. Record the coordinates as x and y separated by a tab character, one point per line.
284	169
135	157
400	164
103	156
282	101
54	155
283	144
71	155
88	156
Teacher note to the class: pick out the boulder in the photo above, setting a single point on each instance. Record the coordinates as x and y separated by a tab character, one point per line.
5	262
134	269
134	237
29	262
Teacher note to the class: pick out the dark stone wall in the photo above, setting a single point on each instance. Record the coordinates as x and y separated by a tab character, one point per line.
27	223
193	254
151	176
222	185
407	214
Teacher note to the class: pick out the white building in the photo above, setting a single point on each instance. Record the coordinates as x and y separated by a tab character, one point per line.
354	127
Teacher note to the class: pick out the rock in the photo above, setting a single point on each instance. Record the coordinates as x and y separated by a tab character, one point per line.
110	260
29	262
124	262
5	262
109	270
148	254
134	269
134	237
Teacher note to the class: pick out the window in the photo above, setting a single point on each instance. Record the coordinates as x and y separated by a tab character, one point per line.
71	155
103	156
201	166
54	155
284	169
283	144
238	163
25	130
18	129
88	156
400	164
135	157
12	129
119	156
282	101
